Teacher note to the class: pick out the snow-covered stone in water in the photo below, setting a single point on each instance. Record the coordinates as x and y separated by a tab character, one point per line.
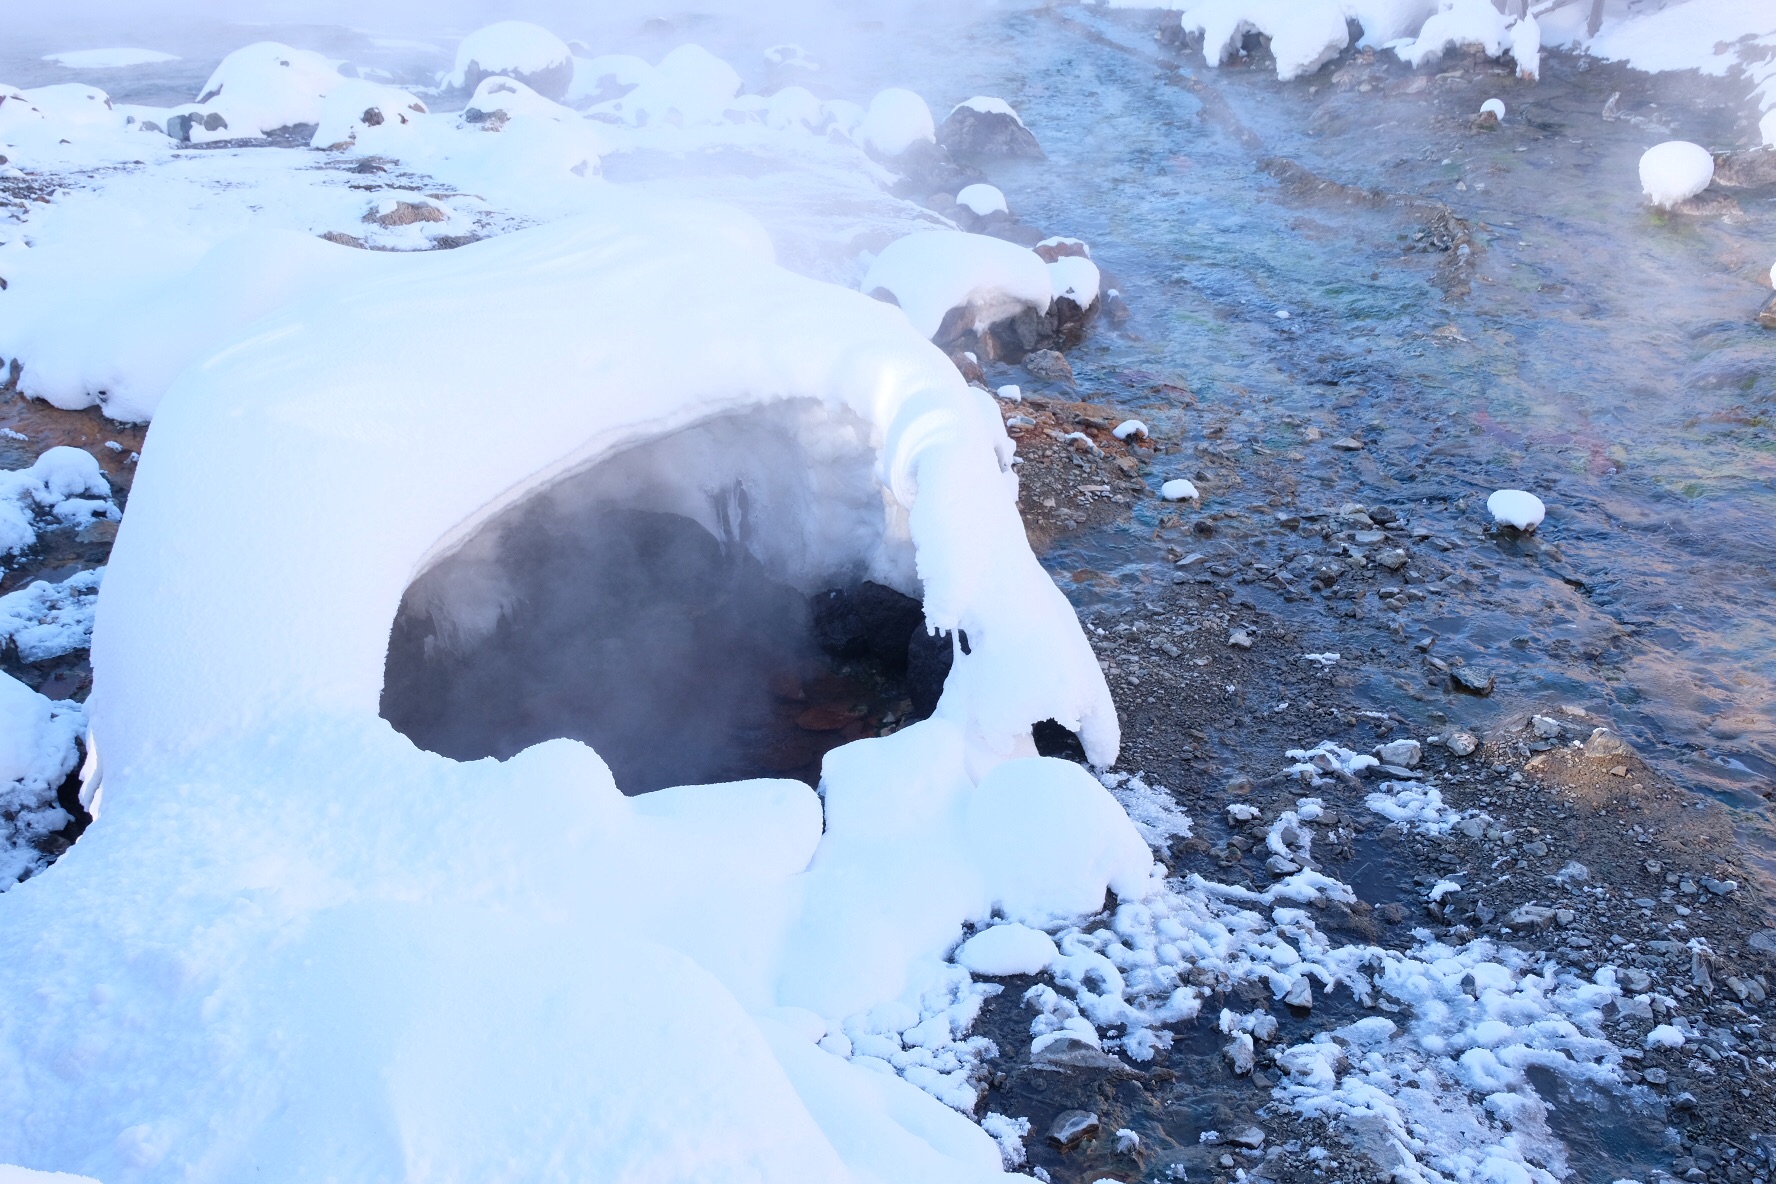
1526	48
1675	171
983	127
1242	1058
260	88
1006	949
64	484
366	115
45	620
1304	34
1179	489
932	272
1496	107
897	119
37	752
689	86
983	199
1076	278
1516	508
1128	428
498	100
794	107
515	49
1050	840
1059	247
1458	24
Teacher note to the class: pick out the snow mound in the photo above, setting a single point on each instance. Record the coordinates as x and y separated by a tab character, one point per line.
1006	949
257	89
45	620
932	272
108	59
983	199
794	107
1075	277
516	49
1304	34
1496	107
366	115
64	483
689	86
1458	23
1517	508
897	119
1179	489
1675	171
498	99
37	752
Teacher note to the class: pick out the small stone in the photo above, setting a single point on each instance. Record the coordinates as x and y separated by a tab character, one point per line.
1720	887
1547	729
1282	866
1393	559
1251	1137
1474	680
1072	1127
1461	743
1368	538
1348	444
1127	1141
1606	745
1240	1054
1049	365
1406	753
1536	848
1239	639
1530	916
1300	993
1564	917
1656	1076
1637	981
1763	941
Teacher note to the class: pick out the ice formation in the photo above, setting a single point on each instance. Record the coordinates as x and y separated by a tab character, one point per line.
897	119
931	272
1526	47
1516	508
1675	171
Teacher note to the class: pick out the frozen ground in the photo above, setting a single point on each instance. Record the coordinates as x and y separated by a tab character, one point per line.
327	929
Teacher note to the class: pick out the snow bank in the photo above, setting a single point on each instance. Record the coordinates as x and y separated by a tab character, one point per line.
302	922
1304	34
897	119
932	272
64	484
1675	171
1458	23
108	59
257	89
988	105
517	49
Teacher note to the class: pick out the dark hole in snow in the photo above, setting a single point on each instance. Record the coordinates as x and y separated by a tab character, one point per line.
732	640
1054	739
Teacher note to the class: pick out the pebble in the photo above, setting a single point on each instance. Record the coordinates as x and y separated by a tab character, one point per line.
1473	679
1547	729
1071	1127
1720	887
1299	994
1348	444
1606	745
1393	559
1401	752
1461	743
1250	1136
1240	639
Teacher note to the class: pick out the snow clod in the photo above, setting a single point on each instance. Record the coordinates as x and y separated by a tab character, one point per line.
1675	171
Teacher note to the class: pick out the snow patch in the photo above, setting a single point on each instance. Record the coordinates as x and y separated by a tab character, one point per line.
932	272
1675	171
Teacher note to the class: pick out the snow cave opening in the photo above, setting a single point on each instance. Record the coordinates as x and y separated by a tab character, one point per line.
727	600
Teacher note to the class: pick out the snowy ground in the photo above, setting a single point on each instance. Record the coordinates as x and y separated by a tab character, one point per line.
311	293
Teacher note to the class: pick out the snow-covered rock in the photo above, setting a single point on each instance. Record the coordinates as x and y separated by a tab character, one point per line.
1006	949
982	199
689	86
984	126
498	99
1304	34
516	49
1179	489
38	749
1129	428
1455	24
366	115
794	107
259	88
1494	107
1076	278
932	272
897	119
1675	171
1516	508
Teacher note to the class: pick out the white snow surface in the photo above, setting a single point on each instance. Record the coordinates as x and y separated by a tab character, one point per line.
1516	507
982	198
934	271
1006	949
508	47
369	116
261	88
37	752
46	620
1675	171
333	930
1457	24
108	59
1304	34
896	120
689	86
63	486
1075	277
1179	489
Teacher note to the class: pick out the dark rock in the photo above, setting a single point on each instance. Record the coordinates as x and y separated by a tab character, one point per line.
869	620
929	168
929	657
1049	366
406	213
1054	739
1014	232
1072	1127
551	81
1745	170
1064	249
1472	679
1767	316
968	366
975	134
344	239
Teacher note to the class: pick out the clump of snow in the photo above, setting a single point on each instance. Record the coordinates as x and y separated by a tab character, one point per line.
260	88
1006	949
1128	428
108	59
689	86
45	620
513	48
1327	757
1675	171
1516	508
1457	24
1075	277
1665	1036
1496	107
1417	806
37	752
1304	34
64	484
794	107
366	115
932	272
498	99
897	119
1010	1134
983	199
1179	489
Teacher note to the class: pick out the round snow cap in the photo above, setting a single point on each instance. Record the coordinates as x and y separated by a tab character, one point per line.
1496	106
1007	949
982	199
896	120
1516	508
1178	490
1675	171
1129	427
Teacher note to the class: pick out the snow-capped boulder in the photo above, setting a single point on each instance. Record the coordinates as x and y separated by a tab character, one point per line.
1455	24
514	49
794	106
359	113
1007	949
261	88
690	85
955	282
1075	278
1675	171
984	126
1304	34
1059	247
982	199
897	119
38	749
1179	489
606	77
1517	509
844	117
73	107
1494	108
498	100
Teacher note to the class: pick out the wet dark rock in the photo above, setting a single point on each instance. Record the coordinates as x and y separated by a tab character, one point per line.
929	168
929	657
1055	739
968	133
1049	366
869	620
1023	234
1472	679
1072	1127
1745	170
